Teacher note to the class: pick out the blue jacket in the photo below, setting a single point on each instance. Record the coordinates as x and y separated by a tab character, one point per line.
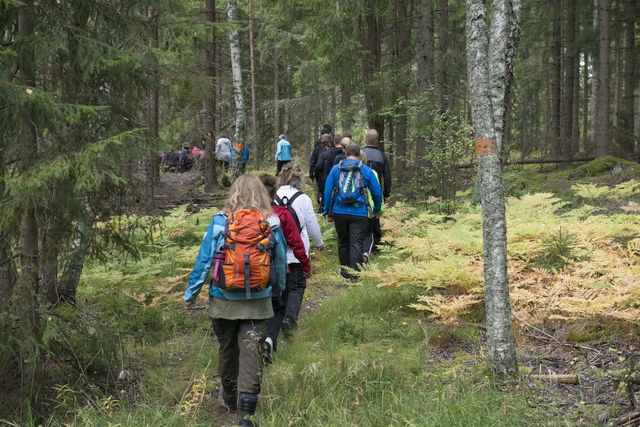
369	181
283	153
213	241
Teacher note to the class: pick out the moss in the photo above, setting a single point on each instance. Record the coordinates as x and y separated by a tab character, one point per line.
604	164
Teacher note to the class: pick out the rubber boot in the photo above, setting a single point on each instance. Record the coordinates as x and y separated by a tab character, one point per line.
248	403
230	395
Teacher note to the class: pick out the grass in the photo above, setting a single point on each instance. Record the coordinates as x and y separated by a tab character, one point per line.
362	355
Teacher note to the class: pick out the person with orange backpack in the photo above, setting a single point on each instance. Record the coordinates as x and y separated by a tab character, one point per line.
245	252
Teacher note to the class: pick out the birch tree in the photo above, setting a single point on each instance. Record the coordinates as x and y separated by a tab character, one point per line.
490	57
236	70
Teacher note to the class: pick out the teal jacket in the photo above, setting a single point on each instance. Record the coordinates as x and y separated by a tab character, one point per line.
213	241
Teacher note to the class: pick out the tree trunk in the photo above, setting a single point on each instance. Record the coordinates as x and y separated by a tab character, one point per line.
630	73
276	95
28	280
403	42
425	82
257	146
485	89
238	95
601	131
443	95
556	82
210	176
152	164
427	53
345	101
585	102
8	271
70	277
569	89
371	60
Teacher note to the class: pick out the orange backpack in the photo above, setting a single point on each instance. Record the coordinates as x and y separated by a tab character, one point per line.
244	261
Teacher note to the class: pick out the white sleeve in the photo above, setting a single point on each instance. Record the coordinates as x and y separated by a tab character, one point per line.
311	221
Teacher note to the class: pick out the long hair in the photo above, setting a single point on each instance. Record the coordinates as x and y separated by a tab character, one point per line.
292	175
247	192
269	182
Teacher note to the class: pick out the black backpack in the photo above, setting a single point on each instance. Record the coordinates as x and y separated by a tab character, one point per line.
288	203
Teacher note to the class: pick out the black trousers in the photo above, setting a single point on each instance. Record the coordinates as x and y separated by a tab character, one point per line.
281	163
351	230
287	305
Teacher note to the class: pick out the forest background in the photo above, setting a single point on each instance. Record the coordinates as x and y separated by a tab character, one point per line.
91	92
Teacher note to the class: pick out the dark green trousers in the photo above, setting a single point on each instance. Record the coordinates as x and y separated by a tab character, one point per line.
239	353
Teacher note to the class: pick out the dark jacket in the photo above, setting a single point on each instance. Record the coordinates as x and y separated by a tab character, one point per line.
326	161
379	162
317	151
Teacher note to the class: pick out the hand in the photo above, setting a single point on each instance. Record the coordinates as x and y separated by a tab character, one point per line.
328	218
320	248
377	214
307	274
188	305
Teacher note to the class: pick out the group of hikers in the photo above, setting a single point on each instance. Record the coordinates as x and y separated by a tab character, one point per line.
256	252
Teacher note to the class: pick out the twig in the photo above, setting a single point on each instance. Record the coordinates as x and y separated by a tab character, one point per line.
551	337
8	260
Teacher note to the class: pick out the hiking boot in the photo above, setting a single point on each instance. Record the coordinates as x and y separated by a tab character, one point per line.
248	404
229	393
365	258
267	351
344	273
288	325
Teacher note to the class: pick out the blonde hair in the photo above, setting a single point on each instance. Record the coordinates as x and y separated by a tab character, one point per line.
346	141
292	175
247	192
363	157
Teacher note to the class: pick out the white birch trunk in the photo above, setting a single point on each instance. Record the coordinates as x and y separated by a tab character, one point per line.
488	81
236	71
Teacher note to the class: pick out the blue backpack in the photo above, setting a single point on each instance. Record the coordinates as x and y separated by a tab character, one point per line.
351	190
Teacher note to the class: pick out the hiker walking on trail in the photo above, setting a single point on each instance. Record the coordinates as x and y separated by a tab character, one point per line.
223	152
291	195
245	247
289	227
369	239
283	152
379	162
318	149
326	162
346	205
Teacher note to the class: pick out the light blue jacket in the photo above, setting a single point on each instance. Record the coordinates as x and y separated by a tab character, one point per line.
369	181
283	153
213	241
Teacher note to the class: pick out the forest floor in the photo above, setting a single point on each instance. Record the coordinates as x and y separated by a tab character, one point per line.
405	344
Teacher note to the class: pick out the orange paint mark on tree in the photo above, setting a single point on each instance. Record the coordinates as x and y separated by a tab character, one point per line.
485	146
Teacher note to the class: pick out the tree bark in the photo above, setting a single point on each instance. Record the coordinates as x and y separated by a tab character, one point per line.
152	163
571	64
585	102
556	81
484	91
601	131
70	278
425	82
28	279
8	271
238	95
443	95
630	73
210	176
276	95
403	42
257	146
345	101
371	60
